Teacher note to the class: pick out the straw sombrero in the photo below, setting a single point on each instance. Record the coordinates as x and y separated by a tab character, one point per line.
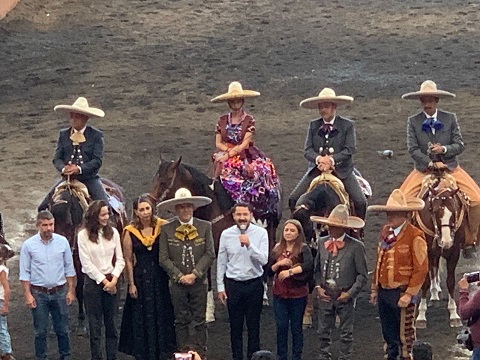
428	88
326	95
339	217
398	202
183	196
235	91
81	106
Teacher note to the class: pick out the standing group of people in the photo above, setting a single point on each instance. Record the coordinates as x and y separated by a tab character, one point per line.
166	262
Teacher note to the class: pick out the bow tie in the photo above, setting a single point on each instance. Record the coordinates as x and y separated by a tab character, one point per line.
388	239
333	245
431	123
77	137
327	128
186	232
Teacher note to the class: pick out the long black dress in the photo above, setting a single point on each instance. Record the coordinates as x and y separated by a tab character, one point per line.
148	331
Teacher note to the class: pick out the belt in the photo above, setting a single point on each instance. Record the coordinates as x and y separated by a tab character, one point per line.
249	281
50	290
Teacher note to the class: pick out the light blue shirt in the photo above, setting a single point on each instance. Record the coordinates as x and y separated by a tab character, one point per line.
238	262
46	264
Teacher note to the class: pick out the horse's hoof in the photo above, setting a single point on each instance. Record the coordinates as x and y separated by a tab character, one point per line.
421	324
307	322
265	302
81	331
210	318
455	323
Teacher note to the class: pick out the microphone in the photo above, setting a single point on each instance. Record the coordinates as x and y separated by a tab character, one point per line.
243	228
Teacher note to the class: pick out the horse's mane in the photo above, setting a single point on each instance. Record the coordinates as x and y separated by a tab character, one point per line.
202	181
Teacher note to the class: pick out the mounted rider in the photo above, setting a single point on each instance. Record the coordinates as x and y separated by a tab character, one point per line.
434	141
330	142
79	150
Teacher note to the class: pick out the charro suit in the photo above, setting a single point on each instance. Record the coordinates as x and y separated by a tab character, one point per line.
180	257
341	145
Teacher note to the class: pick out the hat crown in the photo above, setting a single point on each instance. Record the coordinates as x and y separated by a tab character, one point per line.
235	88
339	214
183	193
428	86
397	199
81	102
327	93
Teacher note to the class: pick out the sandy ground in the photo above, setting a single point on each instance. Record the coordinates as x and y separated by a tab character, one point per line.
154	65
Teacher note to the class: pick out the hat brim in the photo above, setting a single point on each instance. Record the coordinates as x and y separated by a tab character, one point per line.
439	93
94	112
312	103
412	205
196	201
353	222
238	95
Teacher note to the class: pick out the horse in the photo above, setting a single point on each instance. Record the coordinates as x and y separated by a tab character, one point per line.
443	221
67	206
172	175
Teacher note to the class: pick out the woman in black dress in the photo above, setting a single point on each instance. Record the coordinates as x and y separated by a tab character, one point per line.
147	330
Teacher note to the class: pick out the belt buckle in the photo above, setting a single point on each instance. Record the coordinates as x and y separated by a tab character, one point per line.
51	290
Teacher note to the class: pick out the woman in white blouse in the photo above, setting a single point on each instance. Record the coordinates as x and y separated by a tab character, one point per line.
102	261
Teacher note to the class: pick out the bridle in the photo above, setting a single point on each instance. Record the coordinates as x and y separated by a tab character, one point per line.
165	192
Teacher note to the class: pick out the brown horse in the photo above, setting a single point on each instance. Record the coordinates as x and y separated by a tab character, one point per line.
4	241
443	222
172	175
67	209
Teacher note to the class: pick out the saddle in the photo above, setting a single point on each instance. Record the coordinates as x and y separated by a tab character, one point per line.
78	189
335	183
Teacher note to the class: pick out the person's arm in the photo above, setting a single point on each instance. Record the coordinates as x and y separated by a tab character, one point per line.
87	265
128	256
309	152
208	257
468	307
457	146
165	262
119	260
93	165
349	146
360	259
59	155
307	264
222	259
420	265
25	272
247	139
70	274
6	292
260	253
219	144
414	148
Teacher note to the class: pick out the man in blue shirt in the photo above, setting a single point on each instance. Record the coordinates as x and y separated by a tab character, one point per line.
243	251
48	278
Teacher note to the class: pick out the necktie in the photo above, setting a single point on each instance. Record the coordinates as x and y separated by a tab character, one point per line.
186	232
327	128
431	123
77	137
388	239
333	245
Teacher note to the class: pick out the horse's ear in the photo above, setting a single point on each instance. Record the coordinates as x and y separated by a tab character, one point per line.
160	160
177	163
455	191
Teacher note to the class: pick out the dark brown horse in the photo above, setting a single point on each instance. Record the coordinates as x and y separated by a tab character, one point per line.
172	175
4	241
68	209
443	221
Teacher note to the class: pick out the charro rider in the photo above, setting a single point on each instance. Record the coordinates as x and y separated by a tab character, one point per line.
434	141
79	150
330	143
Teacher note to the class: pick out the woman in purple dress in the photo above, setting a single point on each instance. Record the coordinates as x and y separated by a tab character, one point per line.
244	170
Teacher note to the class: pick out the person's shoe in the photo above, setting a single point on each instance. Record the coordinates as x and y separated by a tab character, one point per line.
470	252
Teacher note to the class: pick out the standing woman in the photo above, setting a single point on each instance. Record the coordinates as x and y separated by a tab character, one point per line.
102	261
148	330
292	267
244	170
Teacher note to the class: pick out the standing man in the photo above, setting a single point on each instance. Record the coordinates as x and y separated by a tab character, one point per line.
434	141
186	253
340	275
402	264
48	277
330	143
242	253
79	150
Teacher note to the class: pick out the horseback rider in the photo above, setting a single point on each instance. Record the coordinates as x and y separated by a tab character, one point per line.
434	141
79	150
330	142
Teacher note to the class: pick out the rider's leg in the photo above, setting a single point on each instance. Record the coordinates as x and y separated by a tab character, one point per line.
46	201
356	195
302	187
96	190
412	184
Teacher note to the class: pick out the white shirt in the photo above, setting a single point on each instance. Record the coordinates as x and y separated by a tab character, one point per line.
2	290
397	230
97	258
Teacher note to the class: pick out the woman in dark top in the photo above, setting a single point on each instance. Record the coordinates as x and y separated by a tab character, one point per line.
147	330
292	266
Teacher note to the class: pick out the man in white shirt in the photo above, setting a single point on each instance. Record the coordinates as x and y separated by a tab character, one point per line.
243	251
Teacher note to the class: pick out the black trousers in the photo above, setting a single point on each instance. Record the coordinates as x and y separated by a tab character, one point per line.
101	311
244	303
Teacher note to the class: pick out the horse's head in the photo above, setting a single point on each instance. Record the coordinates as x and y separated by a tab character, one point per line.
166	180
68	213
445	209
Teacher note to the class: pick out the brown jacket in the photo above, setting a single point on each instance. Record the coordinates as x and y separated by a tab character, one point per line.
405	264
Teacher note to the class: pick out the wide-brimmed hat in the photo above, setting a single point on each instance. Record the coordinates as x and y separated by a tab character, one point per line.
326	95
80	106
184	196
339	217
235	91
397	201
428	88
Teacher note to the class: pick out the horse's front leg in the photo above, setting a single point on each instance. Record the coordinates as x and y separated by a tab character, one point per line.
421	321
452	261
210	310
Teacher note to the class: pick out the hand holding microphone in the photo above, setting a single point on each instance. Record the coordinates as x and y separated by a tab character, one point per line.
244	241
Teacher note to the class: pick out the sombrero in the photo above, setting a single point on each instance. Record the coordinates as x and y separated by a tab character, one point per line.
235	91
184	196
428	88
398	202
339	217
326	95
80	106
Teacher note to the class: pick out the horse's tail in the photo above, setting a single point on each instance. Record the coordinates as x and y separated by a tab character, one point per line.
1	226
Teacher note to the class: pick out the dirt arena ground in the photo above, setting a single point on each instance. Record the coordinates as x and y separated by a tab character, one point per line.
154	65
